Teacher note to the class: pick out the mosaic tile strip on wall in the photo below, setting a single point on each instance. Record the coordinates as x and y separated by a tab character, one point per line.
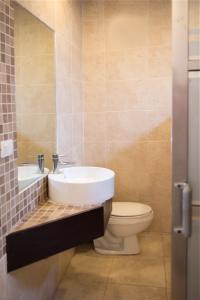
8	171
13	206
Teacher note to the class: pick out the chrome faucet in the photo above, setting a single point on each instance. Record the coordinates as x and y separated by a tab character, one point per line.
55	159
57	162
40	162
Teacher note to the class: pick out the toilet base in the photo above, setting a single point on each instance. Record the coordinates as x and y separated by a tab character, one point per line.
127	246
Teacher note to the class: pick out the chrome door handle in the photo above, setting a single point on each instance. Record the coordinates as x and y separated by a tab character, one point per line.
186	205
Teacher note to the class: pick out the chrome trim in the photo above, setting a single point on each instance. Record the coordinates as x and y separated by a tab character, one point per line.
186	197
196	203
194	74
194	65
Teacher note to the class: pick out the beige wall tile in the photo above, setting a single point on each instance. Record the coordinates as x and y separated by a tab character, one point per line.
43	9
95	154
94	66
77	128
94	96
126	64
159	61
77	153
94	40
77	103
63	53
34	99
38	127
133	125
42	34
117	100
95	127
159	36
131	87
160	10
93	10
148	94
122	21
76	23
75	63
63	18
36	70
64	133
64	97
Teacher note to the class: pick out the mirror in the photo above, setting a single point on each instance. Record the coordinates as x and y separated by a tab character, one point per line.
35	93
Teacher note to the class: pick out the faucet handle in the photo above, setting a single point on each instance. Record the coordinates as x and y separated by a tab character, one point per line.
40	161
57	162
59	158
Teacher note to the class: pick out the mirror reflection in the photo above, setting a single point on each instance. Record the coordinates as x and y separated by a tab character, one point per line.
35	95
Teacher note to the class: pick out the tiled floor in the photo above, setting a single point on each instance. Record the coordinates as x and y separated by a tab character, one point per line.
91	276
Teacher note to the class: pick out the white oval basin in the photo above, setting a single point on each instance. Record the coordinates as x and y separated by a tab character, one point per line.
80	186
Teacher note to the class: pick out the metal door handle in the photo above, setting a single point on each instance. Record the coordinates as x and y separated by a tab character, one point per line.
186	205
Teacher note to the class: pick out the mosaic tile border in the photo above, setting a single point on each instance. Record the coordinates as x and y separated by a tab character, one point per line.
13	205
8	170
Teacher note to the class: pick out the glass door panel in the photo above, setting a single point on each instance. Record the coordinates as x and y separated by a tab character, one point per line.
194	135
194	30
194	181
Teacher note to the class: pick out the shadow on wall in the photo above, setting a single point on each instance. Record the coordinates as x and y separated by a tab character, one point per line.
143	171
49	272
28	149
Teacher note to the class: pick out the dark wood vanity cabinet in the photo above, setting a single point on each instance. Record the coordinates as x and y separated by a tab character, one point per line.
28	245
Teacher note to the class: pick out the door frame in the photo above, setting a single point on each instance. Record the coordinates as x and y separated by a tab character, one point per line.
179	143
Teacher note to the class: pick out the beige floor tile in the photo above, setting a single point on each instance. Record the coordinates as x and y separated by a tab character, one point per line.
73	289
128	292
151	244
166	239
95	269
88	250
168	271
138	270
168	294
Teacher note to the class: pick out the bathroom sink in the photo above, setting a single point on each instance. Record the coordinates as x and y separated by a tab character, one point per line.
80	186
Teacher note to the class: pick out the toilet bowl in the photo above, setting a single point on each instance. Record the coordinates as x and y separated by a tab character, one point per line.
126	221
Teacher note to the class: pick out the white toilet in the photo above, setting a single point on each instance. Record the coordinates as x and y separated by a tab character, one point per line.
126	221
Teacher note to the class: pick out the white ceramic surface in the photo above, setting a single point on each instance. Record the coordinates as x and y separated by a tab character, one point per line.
120	237
80	186
28	174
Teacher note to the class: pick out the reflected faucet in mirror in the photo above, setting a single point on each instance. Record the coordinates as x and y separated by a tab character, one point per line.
40	161
35	116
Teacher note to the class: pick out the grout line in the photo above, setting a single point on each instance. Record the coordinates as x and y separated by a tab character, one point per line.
138	285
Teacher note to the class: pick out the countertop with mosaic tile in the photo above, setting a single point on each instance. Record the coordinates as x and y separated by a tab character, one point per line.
48	212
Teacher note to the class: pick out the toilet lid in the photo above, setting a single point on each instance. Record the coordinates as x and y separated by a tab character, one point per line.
129	209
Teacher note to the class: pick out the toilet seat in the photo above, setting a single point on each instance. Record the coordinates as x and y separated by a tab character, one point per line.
130	210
